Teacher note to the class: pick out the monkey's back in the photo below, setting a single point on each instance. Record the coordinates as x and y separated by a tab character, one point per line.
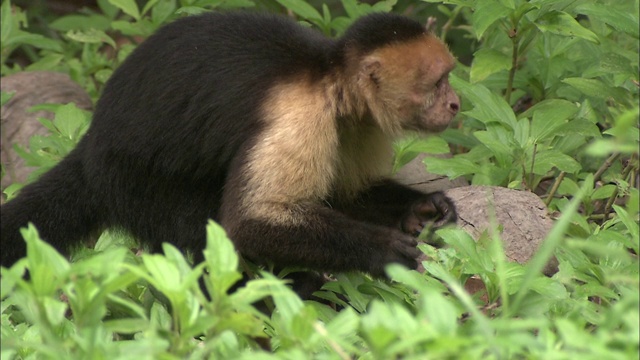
173	116
196	85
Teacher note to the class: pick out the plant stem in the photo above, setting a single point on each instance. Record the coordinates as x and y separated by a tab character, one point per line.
607	164
554	188
514	62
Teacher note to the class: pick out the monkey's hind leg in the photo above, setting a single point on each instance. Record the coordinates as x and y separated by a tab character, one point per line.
58	204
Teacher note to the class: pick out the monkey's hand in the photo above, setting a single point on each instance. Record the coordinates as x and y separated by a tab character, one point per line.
435	209
394	247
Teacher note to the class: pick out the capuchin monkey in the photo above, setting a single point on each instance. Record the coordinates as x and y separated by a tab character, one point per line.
281	135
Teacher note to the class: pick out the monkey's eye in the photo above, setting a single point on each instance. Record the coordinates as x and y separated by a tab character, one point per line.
442	80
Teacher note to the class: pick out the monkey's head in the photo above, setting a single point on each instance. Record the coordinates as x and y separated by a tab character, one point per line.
406	85
402	75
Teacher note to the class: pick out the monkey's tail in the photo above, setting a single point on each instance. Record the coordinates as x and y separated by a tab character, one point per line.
59	204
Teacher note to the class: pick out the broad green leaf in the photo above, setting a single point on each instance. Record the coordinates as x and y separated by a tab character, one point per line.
302	8
615	63
407	149
166	274
486	62
548	116
7	22
486	13
579	127
150	4
287	302
616	18
143	27
464	244
22	37
548	159
190	10
47	62
561	23
91	36
6	96
546	249
81	22
603	192
453	168
129	7
54	310
440	312
568	187
487	105
162	11
220	252
594	88
46	266
126	326
630	222
384	6
70	121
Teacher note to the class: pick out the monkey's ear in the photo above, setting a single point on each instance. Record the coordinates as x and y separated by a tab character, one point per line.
369	72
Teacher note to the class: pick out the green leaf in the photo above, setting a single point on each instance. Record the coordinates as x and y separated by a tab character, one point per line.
561	23
190	10
126	326
129	7
6	96
91	36
24	38
440	312
548	116
616	18
166	274
486	62
453	168
220	252
407	149
603	192
475	262
7	22
287	302
486	14
47	62
579	127
302	8
548	159
594	88
162	11
81	22
70	121
141	28
487	105
546	249
500	141
46	266
629	222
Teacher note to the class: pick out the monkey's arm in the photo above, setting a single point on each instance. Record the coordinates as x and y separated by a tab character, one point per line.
316	237
394	205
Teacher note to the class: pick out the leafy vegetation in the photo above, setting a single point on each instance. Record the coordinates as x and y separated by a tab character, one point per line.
550	104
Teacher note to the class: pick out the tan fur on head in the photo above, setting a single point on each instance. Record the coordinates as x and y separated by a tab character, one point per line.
399	82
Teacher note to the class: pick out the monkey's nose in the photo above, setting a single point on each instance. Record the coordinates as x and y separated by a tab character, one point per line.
454	105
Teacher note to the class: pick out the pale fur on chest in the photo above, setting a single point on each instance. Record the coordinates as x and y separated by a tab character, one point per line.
304	156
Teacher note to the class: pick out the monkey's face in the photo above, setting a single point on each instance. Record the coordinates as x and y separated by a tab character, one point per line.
407	86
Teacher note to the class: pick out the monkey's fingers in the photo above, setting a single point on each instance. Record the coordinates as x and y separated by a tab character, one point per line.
406	251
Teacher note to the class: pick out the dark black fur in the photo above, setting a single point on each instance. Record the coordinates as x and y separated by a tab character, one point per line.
170	124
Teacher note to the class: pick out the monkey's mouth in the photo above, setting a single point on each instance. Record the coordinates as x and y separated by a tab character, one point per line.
429	125
436	127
